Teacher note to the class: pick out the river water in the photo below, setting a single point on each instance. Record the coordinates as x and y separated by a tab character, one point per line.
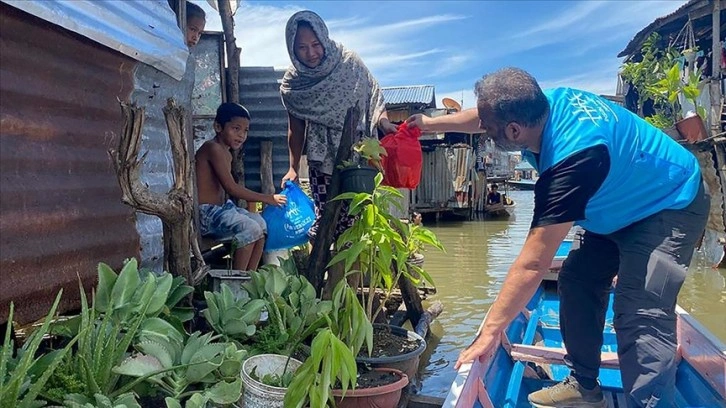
468	277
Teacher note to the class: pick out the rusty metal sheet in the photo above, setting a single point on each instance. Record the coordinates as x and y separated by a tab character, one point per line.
60	211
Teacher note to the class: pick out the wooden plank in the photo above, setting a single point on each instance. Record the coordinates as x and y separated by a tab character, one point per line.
424	401
549	355
320	254
422	327
702	350
268	187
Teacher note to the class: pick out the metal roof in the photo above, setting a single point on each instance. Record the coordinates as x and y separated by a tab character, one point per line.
400	95
145	30
698	11
524	166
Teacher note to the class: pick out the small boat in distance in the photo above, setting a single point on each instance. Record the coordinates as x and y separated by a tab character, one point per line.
523	184
531	355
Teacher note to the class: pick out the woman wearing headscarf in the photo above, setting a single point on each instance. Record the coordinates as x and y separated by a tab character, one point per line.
323	82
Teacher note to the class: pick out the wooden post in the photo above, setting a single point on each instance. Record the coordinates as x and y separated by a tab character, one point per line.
715	83
320	254
173	208
233	62
266	177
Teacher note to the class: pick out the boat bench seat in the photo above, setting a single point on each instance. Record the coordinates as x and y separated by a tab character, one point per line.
551	355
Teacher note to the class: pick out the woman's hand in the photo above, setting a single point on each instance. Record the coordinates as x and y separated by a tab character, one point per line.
386	126
483	347
291	175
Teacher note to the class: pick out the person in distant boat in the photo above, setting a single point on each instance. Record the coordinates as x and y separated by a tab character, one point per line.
639	196
494	196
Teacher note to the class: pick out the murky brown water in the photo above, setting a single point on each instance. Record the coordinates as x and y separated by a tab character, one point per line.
469	275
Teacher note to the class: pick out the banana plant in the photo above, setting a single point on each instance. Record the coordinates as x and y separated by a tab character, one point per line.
197	370
234	319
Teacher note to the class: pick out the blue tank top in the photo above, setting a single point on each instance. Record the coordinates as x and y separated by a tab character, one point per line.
649	171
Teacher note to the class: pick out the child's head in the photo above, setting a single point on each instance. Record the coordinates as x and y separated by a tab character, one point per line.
196	20
232	124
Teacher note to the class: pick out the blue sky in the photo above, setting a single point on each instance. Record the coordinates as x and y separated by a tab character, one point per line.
451	44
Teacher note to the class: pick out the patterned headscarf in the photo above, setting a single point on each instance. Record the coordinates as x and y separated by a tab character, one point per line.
322	95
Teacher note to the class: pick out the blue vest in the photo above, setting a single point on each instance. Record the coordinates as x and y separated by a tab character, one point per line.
649	171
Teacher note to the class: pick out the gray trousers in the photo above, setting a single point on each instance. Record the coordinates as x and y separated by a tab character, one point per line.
651	258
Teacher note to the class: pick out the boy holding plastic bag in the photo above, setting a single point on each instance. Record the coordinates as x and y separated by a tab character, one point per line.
219	219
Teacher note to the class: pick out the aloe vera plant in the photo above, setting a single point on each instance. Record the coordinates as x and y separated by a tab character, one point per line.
121	307
22	378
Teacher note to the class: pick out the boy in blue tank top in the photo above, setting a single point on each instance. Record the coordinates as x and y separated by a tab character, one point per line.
641	200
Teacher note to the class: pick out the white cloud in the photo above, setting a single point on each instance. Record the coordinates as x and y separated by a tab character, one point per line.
260	31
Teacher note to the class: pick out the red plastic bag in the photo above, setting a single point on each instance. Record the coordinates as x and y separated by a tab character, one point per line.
402	165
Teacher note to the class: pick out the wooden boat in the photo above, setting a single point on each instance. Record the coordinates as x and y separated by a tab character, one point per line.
523	184
531	357
501	210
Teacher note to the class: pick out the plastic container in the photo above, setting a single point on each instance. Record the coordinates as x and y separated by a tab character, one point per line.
233	278
257	394
358	179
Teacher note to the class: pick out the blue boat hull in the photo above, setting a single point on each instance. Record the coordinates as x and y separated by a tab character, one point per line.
534	349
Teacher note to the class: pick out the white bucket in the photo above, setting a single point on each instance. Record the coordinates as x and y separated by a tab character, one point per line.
257	394
273	257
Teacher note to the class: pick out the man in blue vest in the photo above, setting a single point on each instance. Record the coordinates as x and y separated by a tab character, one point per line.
641	200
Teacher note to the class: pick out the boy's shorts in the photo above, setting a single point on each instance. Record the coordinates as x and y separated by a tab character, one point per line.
231	222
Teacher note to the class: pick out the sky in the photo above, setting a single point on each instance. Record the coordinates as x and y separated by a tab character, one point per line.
451	44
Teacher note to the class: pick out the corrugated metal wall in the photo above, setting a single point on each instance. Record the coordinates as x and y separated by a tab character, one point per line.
60	211
445	179
260	93
151	90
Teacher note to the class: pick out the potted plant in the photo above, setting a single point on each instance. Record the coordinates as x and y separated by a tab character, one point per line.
330	376
295	314
383	246
671	88
358	175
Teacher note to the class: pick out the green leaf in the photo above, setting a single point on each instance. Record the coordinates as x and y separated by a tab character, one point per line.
172	403
139	366
158	351
126	285
106	279
160	295
225	392
197	400
178	292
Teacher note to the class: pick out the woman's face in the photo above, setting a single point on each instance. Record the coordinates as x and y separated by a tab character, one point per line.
308	49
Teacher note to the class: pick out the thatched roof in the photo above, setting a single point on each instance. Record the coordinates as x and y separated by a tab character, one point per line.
669	26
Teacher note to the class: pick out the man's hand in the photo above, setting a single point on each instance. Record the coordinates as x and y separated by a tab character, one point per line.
279	199
483	347
418	120
291	175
